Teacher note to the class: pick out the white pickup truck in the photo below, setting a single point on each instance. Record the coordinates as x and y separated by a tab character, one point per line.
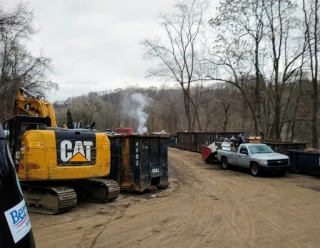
256	157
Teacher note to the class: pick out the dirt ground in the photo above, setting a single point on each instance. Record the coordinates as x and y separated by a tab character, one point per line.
203	207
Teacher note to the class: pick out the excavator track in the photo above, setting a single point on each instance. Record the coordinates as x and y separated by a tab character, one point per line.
49	200
98	190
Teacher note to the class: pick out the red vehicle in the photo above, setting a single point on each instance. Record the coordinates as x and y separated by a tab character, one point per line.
124	131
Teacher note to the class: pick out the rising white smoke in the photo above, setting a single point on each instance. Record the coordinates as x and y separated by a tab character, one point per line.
134	106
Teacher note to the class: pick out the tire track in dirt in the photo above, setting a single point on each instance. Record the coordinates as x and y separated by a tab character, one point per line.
232	199
273	190
203	207
179	227
232	204
196	203
207	205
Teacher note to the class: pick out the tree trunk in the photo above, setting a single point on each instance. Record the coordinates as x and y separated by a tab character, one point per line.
257	93
314	128
315	81
277	114
187	111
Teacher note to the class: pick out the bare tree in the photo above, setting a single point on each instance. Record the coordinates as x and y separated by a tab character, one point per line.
260	37
177	56
226	108
86	108
231	57
282	40
240	26
18	67
311	22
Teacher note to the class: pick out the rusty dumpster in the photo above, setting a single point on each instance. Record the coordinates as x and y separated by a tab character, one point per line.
305	162
139	162
193	141
284	146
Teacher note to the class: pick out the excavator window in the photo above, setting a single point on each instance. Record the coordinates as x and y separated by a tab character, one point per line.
24	126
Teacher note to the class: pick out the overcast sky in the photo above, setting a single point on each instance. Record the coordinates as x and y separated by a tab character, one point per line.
94	45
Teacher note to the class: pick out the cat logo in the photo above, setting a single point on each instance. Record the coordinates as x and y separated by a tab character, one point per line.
80	152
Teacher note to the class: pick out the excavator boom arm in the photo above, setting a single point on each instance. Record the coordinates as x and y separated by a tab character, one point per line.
28	104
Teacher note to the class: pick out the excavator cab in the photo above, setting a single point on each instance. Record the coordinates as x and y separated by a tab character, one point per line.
17	127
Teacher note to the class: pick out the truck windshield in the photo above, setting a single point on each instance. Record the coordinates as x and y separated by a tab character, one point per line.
260	149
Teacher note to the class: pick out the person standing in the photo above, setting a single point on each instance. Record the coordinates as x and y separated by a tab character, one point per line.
241	139
69	120
15	225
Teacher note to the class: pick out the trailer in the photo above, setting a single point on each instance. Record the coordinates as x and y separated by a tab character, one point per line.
209	153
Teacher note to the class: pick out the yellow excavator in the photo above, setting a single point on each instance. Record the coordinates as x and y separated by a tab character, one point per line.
57	166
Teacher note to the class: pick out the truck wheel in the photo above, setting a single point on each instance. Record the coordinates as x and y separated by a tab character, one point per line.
225	164
254	169
210	159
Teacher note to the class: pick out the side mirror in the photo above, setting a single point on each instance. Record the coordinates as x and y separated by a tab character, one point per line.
244	152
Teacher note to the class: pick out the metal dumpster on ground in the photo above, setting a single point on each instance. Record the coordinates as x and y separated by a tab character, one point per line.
139	162
172	141
193	141
308	162
284	147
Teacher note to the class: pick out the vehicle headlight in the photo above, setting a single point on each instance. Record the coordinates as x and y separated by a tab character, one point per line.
263	162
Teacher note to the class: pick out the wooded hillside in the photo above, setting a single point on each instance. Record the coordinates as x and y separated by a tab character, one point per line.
250	65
